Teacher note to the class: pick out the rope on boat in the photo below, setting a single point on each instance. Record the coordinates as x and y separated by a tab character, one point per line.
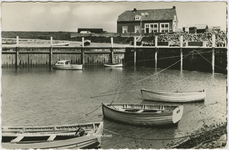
94	110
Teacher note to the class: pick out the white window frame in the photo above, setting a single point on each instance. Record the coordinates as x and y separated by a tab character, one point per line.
148	25
164	28
152	29
137	17
137	29
124	29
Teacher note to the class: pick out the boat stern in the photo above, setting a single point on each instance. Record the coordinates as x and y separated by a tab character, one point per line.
177	114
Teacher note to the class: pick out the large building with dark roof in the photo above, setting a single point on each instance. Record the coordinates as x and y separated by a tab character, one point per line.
150	20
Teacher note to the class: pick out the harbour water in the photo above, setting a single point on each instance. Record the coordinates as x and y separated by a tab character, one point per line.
40	96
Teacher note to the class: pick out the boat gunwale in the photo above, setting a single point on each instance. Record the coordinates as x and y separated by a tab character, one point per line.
135	113
170	92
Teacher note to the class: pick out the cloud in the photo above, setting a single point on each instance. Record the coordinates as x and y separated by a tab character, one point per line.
61	9
38	9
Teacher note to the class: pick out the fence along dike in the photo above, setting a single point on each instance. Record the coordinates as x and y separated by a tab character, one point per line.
213	59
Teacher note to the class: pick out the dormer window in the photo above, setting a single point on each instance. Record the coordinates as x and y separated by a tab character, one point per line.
137	17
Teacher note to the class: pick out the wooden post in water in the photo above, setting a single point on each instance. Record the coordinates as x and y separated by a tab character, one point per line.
17	39
50	56
135	55
112	51
82	55
156	50
51	41
82	41
181	52
17	57
213	53
82	51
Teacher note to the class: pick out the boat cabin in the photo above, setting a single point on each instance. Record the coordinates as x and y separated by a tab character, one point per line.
63	62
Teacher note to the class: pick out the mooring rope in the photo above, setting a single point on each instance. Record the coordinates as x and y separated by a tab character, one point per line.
94	110
113	93
164	69
209	61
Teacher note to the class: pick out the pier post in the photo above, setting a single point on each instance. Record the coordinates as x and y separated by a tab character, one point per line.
156	51
16	57
181	52
112	42
112	55
51	40
156	41
17	39
112	51
50	56
135	55
213	53
82	55
82	41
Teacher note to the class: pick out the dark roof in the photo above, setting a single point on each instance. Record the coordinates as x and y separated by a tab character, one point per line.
153	14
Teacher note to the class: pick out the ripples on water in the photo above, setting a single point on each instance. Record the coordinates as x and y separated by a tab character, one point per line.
40	96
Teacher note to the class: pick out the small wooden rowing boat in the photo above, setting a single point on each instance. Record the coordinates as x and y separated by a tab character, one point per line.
143	114
178	96
66	65
113	65
52	137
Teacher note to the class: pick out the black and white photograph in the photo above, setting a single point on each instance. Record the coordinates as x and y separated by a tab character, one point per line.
114	74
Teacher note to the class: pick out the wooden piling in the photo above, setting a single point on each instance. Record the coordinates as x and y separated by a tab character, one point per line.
213	53
156	51
82	41
155	57
112	55
17	39
16	57
156	41
82	55
50	57
181	53
135	55
51	40
112	51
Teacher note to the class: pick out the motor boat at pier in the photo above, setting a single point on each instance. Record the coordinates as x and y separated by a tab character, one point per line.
66	65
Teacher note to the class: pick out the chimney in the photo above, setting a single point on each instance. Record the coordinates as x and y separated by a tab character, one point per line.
174	7
134	10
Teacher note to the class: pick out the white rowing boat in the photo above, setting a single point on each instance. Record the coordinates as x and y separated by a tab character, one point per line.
143	114
52	137
177	96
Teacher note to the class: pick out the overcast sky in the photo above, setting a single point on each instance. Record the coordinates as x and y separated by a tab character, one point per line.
69	16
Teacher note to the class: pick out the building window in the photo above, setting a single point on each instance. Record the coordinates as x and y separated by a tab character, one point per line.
137	17
164	27
124	29
154	27
151	27
136	29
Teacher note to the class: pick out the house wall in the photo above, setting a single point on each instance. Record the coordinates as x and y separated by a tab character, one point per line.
131	25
